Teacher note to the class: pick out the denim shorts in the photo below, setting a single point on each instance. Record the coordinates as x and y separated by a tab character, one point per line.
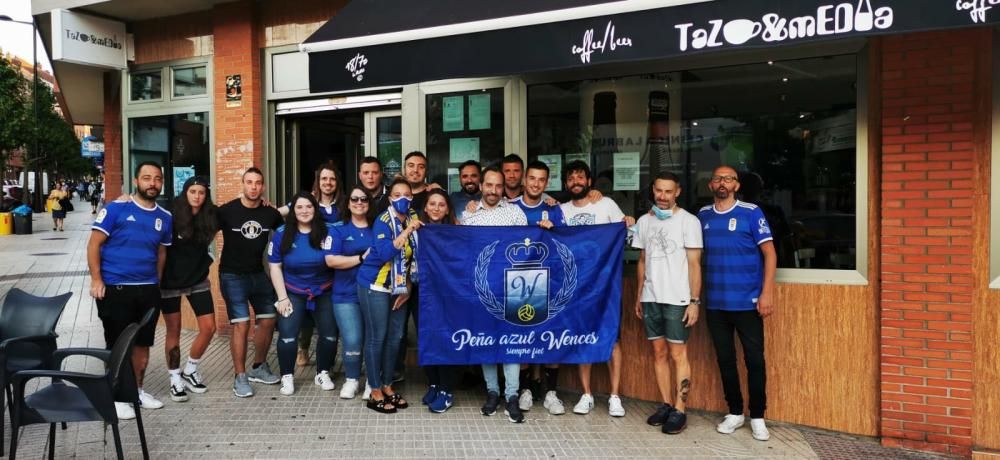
241	291
665	321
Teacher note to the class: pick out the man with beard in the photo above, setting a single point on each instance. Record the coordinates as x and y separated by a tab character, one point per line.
415	171
740	264
513	172
370	179
468	176
126	255
493	210
246	225
582	211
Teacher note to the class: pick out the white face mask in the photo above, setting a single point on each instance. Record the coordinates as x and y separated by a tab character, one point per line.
662	214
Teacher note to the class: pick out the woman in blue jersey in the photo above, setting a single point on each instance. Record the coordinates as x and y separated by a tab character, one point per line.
383	288
298	255
328	191
350	245
186	274
440	379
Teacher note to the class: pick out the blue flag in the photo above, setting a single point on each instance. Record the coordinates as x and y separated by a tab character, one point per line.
519	294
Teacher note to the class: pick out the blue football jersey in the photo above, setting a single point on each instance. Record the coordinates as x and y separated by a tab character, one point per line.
734	266
135	235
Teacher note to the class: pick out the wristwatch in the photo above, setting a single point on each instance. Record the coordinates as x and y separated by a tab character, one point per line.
696	301
361	258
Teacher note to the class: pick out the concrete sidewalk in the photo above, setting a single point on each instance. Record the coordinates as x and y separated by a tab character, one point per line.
316	424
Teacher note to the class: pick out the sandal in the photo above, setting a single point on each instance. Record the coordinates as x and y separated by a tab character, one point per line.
378	405
397	400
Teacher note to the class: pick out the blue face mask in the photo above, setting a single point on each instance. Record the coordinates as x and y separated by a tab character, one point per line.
401	204
663	214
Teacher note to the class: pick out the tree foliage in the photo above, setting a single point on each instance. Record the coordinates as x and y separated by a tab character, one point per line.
15	105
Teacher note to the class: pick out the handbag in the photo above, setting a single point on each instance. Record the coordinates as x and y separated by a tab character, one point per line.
66	204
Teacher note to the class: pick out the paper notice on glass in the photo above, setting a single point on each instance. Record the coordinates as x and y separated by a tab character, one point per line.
479	111
453	113
454	184
462	149
181	175
626	171
554	162
584	157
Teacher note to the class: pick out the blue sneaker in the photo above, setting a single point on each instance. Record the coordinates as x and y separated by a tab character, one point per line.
441	403
430	396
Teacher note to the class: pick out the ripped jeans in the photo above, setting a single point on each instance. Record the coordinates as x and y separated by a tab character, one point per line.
288	333
351	333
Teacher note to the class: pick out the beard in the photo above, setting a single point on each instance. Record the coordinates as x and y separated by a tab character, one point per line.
584	190
150	193
721	193
471	188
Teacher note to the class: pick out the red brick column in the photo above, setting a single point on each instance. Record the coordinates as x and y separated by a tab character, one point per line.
928	113
113	177
238	127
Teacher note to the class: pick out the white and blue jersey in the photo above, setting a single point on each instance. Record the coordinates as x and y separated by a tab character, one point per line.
734	267
303	266
135	235
349	240
540	212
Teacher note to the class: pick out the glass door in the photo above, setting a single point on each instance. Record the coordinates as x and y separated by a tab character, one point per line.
384	132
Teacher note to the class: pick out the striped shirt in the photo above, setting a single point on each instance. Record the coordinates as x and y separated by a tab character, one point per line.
734	266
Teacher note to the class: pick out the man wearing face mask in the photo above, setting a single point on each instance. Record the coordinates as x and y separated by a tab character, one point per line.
669	281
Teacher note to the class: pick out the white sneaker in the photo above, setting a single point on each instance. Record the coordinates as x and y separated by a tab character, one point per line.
125	411
147	401
349	389
615	408
324	381
585	405
368	393
287	384
524	402
553	404
759	429
730	424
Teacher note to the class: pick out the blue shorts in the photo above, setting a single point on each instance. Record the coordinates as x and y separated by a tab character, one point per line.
241	291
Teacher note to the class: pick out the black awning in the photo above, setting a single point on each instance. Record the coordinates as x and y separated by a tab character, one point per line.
434	40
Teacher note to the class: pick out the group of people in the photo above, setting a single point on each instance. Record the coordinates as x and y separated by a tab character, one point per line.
342	260
61	196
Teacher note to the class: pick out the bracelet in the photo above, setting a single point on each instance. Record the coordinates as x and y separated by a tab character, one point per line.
282	300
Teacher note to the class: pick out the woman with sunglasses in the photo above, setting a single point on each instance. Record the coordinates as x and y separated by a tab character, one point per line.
441	379
299	256
383	288
350	244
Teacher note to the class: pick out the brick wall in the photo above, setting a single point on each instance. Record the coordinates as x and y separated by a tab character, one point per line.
112	136
928	152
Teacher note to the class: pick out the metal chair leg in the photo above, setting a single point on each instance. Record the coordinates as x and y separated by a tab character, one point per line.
52	441
142	433
118	441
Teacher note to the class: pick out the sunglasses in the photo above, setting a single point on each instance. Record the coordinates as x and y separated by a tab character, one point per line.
359	199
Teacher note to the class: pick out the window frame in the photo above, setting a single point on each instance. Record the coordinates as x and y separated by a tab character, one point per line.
128	93
858	276
173	70
166	107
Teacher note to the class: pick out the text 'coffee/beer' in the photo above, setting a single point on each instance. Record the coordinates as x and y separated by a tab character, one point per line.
836	19
609	43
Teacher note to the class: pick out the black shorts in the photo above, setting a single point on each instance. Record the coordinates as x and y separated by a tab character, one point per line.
199	296
126	304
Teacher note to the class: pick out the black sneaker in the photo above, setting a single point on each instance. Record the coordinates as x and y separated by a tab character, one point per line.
492	401
177	393
675	423
194	382
661	414
513	410
537	392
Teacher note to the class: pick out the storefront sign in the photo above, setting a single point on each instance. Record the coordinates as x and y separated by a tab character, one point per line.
90	147
88	40
633	36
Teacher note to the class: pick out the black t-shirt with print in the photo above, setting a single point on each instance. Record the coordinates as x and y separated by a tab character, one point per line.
245	234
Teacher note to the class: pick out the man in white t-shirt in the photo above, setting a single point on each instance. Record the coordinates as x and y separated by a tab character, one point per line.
581	211
669	280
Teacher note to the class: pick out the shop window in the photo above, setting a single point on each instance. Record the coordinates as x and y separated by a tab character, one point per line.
190	81
146	86
461	126
789	127
180	143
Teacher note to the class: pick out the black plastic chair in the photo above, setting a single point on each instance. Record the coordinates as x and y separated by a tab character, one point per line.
91	397
27	337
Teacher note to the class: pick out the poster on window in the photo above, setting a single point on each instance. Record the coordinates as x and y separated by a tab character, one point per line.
626	171
181	175
479	111
453	113
554	162
462	149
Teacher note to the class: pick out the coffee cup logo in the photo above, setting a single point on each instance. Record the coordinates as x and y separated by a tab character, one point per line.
739	31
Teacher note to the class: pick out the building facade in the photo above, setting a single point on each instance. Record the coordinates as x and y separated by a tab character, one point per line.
870	152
